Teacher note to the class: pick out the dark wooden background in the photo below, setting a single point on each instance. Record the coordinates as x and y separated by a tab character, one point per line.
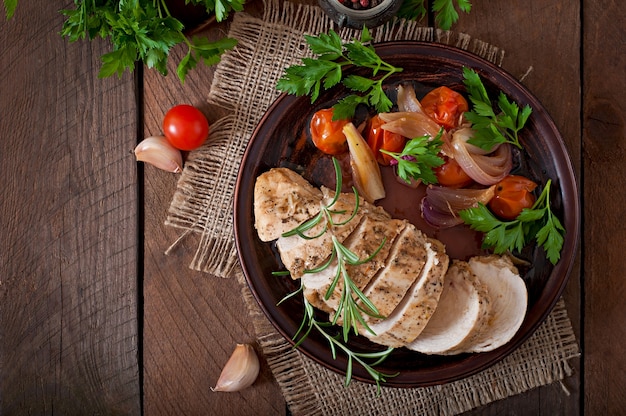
95	319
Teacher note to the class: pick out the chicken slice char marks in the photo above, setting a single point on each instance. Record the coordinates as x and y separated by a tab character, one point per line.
375	234
412	314
300	254
463	309
283	200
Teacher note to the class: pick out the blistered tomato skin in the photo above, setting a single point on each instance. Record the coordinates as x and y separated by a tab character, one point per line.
378	139
327	135
452	175
512	195
185	127
445	106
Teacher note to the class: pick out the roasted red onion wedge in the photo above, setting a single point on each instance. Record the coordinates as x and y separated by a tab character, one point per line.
441	204
486	169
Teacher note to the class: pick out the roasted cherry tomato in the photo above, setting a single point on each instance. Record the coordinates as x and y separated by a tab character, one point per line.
451	174
378	139
185	127
327	134
512	195
445	106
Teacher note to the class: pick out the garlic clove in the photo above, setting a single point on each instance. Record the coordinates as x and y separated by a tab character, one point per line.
240	371
157	151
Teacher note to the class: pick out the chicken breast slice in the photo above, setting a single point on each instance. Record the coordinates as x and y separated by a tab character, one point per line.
282	201
373	231
412	314
299	254
508	297
462	310
406	259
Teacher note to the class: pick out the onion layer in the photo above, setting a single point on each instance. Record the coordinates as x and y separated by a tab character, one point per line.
486	169
409	124
441	205
407	101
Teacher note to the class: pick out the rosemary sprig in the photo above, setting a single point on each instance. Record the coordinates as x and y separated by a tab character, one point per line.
326	212
353	303
309	323
349	309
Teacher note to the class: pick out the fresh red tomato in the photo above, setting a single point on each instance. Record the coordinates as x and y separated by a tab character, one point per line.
452	175
378	139
512	195
445	106
185	127
327	134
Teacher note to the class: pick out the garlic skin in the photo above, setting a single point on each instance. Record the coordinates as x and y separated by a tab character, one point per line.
157	151
240	371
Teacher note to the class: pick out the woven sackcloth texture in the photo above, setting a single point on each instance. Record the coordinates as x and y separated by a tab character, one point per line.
244	83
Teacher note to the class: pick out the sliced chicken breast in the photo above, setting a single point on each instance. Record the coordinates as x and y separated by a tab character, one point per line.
373	231
282	201
407	257
299	254
412	314
462	310
509	301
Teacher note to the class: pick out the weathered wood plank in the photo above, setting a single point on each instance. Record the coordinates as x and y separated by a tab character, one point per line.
68	204
192	320
604	135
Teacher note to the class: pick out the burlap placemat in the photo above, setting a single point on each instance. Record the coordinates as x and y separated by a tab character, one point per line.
244	83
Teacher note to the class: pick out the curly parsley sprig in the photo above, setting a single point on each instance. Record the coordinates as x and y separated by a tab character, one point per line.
327	70
537	222
418	159
491	128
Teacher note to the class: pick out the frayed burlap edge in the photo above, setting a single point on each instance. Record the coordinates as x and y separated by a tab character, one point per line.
244	83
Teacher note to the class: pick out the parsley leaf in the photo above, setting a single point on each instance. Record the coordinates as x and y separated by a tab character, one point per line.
9	7
538	223
490	128
327	70
418	159
144	30
444	10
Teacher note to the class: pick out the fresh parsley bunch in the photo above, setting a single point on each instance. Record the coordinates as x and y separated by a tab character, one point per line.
444	10
326	70
492	129
536	223
142	30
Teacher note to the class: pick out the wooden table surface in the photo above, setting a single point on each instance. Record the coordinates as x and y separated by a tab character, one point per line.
96	319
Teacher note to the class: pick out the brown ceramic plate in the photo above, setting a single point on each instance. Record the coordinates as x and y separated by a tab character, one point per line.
281	140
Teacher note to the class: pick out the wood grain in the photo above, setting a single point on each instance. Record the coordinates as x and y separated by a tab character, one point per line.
192	320
68	256
604	139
